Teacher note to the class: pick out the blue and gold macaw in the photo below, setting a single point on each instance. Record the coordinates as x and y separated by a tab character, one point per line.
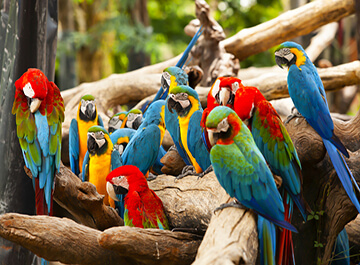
172	77
39	110
143	148
87	116
185	102
100	160
121	137
116	121
133	119
243	172
308	95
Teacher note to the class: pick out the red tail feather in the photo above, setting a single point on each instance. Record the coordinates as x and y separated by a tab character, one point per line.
40	203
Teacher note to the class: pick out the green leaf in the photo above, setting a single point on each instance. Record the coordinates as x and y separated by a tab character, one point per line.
310	217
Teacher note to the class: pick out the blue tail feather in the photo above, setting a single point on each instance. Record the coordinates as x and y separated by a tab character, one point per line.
267	241
343	172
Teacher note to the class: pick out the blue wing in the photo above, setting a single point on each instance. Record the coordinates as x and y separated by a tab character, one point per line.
115	160
100	121
143	148
195	142
341	250
123	132
172	125
267	241
85	169
74	147
157	166
115	163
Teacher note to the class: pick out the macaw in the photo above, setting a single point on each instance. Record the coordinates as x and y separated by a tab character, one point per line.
121	137
100	160
39	110
341	249
172	77
116	121
243	172
143	148
132	119
87	116
143	208
308	95
222	92
185	102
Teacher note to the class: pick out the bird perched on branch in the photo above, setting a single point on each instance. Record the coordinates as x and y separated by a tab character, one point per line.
243	172
100	160
39	110
308	95
87	116
143	208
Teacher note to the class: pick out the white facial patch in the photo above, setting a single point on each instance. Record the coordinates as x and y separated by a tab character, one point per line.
28	90
234	86
223	126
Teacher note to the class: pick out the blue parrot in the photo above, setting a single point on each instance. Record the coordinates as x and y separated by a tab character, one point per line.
143	148
308	95
121	137
242	171
185	102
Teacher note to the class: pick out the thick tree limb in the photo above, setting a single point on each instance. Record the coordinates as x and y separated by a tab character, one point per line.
231	238
291	24
353	232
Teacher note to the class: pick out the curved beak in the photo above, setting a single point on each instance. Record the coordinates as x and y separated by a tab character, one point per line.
280	61
91	144
137	122
111	191
171	103
90	109
34	104
224	96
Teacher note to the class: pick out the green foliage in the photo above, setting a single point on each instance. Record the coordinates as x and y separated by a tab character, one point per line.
315	215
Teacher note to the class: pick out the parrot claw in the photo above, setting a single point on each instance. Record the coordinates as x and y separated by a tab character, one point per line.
294	114
208	170
234	203
187	171
151	177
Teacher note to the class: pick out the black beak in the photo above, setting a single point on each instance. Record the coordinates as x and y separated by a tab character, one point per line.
280	61
137	122
171	104
120	190
89	112
164	84
111	129
91	145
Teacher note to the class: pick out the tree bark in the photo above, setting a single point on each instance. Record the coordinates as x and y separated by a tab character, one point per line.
291	24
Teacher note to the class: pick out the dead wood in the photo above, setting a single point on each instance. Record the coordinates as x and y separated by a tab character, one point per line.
291	24
231	238
323	189
151	246
61	239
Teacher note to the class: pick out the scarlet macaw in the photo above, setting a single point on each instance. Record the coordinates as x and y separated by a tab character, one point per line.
143	148
143	208
87	116
185	101
39	110
100	160
308	95
243	172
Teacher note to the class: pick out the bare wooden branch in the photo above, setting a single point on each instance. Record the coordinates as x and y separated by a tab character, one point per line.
151	246
291	24
353	231
231	238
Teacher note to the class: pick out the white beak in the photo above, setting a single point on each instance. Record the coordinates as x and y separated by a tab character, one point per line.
110	190
35	104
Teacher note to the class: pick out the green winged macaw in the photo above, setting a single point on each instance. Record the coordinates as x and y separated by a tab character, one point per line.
185	102
87	116
308	95
143	208
121	137
39	110
100	160
243	172
172	77
116	121
143	149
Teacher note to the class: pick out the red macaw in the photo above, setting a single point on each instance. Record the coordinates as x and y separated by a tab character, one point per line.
39	110
143	208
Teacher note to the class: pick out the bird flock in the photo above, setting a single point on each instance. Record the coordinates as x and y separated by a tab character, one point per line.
239	136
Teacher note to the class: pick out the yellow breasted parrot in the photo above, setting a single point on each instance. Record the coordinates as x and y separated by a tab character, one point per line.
116	121
39	110
87	116
132	119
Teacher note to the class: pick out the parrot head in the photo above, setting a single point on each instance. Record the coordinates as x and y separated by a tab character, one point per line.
133	119
172	77
182	99
223	90
120	179
246	99
33	84
222	125
87	108
98	140
116	121
290	53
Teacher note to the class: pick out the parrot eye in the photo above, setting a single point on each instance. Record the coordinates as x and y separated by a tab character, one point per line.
182	96
235	86
223	126
131	116
165	80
